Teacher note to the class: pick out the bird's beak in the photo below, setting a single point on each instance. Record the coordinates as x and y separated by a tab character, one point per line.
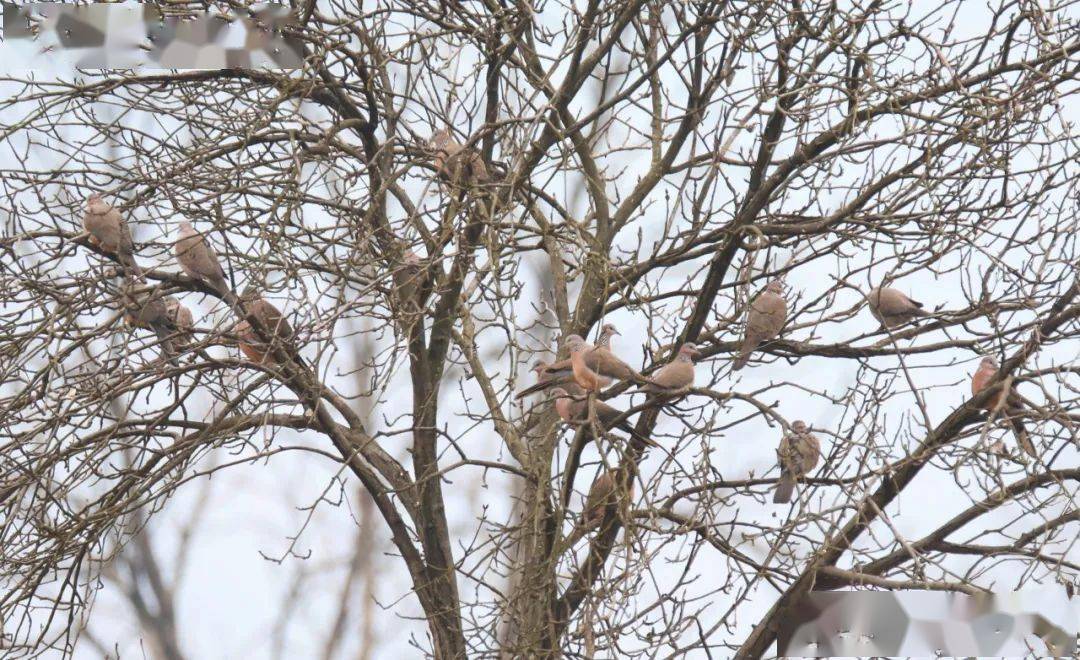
695	353
616	332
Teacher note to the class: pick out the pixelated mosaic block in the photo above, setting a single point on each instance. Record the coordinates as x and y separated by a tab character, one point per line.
140	36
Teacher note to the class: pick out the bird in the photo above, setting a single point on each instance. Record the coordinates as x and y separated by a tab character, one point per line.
607	331
149	311
675	375
893	308
574	409
586	378
456	164
275	327
599	359
603	494
799	453
547	377
1008	402
550	375
407	280
109	231
198	259
764	321
181	318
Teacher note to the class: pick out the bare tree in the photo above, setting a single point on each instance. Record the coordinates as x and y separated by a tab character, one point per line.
658	163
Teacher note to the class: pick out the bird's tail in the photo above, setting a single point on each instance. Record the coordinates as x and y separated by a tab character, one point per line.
1022	437
130	266
784	488
532	389
645	440
748	346
168	349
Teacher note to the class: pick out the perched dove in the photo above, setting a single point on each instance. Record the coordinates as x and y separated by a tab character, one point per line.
559	374
109	231
607	331
546	377
198	259
274	326
799	453
675	375
407	280
181	319
574	409
764	321
603	495
892	308
150	311
586	378
457	165
599	359
1007	402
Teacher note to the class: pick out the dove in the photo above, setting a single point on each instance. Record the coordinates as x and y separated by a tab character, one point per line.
407	280
274	326
584	376
604	494
607	331
574	409
550	375
198	259
546	377
150	311
455	164
892	308
799	453
764	321
675	375
599	359
1007	402
181	319
109	231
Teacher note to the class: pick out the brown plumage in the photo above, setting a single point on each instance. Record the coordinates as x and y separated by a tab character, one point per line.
407	280
109	231
150	311
893	308
799	453
274	325
456	164
764	321
604	494
607	331
559	374
675	375
1007	402
198	259
598	359
574	409
584	376
181	319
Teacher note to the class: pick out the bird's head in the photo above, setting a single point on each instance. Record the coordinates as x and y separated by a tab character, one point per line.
96	205
799	426
689	351
574	343
776	286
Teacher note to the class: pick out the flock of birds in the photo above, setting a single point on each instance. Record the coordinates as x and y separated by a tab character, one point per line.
573	382
262	333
